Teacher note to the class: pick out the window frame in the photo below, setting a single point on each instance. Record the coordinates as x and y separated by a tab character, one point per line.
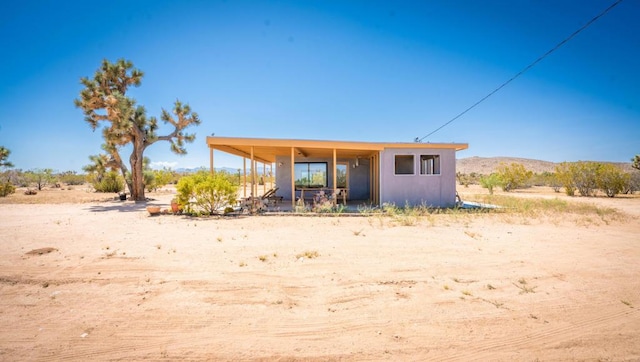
309	185
395	165
437	164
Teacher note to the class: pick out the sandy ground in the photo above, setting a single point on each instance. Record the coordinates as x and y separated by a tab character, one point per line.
122	285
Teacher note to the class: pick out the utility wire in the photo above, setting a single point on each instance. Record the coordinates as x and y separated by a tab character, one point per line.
524	70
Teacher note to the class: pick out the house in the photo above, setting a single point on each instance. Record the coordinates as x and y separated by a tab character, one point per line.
369	172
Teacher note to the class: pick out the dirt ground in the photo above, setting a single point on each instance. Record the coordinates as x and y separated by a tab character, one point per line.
103	280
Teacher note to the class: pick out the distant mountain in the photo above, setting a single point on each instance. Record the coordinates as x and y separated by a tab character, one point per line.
487	165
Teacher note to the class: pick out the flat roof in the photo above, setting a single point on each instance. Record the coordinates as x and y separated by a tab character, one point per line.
266	149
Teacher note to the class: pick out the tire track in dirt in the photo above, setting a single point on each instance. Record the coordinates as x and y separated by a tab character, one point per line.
545	336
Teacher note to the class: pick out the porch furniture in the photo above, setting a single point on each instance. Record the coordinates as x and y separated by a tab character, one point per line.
254	204
311	189
270	196
341	194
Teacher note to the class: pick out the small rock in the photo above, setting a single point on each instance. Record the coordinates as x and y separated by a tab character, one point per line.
84	335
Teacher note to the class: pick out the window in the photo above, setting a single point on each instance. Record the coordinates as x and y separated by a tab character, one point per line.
311	174
404	165
342	175
429	164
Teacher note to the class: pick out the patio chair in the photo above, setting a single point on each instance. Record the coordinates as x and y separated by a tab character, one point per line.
340	194
270	196
257	204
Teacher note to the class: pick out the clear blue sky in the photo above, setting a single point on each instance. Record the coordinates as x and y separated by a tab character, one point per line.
347	70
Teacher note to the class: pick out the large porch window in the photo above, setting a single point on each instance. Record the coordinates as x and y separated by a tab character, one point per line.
311	174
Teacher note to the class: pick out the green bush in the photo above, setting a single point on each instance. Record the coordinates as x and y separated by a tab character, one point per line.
110	182
564	175
489	182
204	193
634	183
612	180
39	177
155	179
585	177
6	189
71	178
514	176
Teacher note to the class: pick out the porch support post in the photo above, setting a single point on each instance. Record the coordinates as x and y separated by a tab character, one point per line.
244	177
253	174
211	159
335	176
254	189
293	180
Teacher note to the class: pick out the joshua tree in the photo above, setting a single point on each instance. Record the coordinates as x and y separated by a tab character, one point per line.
104	99
636	162
4	154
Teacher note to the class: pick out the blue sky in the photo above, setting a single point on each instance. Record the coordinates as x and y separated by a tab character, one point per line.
346	70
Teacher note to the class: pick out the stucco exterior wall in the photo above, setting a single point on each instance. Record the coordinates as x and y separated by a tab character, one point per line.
358	176
416	189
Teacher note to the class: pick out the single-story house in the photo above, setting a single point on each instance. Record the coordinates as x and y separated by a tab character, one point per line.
374	173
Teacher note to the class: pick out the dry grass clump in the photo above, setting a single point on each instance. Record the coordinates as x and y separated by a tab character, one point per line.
63	195
542	207
311	254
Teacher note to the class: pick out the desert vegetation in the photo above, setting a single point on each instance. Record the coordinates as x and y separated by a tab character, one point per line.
6	187
206	193
104	99
584	178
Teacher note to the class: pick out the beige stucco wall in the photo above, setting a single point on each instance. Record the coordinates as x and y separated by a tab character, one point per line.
417	189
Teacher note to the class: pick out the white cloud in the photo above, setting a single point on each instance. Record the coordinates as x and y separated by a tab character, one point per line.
159	165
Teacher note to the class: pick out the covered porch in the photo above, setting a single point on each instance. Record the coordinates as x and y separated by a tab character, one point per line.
344	172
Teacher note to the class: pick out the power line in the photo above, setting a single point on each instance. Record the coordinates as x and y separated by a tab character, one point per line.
525	69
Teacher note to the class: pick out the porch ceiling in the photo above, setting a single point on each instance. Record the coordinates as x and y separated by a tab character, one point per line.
265	149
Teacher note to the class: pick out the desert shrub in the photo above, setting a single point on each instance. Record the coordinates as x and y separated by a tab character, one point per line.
514	176
39	177
464	179
554	182
634	183
233	178
149	179
71	178
204	193
546	179
162	177
585	177
110	182
6	188
611	179
564	175
489	182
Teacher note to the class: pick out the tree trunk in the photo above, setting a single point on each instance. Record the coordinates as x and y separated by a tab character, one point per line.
137	177
124	171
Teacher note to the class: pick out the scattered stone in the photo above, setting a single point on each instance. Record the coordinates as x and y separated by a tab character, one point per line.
41	251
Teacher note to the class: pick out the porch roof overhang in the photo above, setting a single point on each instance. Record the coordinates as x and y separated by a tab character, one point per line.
267	149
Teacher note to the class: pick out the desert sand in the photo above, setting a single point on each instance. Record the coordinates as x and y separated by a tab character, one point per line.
103	280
